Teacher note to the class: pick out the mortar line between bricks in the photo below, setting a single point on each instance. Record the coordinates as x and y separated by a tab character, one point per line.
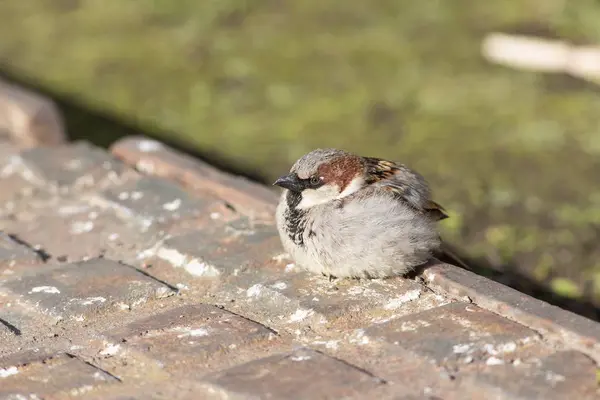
94	366
364	371
174	288
44	256
16	331
247	319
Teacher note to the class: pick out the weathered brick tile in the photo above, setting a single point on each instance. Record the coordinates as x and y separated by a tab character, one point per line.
552	322
562	375
457	334
216	251
248	198
81	231
171	389
151	201
45	378
65	167
303	299
302	374
14	255
78	291
193	339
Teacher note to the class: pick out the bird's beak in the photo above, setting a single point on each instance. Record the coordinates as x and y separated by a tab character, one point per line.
291	182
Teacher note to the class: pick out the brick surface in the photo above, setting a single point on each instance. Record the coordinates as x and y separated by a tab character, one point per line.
80	290
563	375
152	201
80	231
219	250
29	118
192	339
303	299
158	159
457	333
76	166
301	374
578	331
91	251
14	255
45	378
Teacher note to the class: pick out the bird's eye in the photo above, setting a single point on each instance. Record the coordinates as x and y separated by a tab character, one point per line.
315	180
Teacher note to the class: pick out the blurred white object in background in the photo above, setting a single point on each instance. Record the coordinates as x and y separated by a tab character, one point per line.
544	55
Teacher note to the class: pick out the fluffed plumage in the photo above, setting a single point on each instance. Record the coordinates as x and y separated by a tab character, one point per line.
343	215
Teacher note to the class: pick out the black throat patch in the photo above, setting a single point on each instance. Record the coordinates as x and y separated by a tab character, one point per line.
295	219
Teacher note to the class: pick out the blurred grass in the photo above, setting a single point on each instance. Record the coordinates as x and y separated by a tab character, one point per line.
515	156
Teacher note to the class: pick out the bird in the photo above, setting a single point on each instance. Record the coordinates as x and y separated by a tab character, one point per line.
343	215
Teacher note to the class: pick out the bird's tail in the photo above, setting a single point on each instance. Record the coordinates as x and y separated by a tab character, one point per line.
447	255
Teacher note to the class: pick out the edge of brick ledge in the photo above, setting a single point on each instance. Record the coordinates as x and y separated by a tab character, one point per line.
251	198
550	321
155	158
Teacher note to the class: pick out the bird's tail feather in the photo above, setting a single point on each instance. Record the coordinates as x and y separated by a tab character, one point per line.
447	255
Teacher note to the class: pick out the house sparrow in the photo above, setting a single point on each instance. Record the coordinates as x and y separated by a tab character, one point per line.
343	215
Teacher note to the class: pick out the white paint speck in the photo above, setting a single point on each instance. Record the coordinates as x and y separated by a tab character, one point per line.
359	337
300	358
215	215
281	257
123	195
113	236
494	361
508	347
79	227
92	300
301	314
6	372
172	205
45	289
254	290
408	326
111	350
290	267
279	285
200	268
330	344
461	348
149	146
181	286
200	332
136	195
554	378
405	298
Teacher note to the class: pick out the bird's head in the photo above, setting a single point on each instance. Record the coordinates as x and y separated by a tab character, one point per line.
324	175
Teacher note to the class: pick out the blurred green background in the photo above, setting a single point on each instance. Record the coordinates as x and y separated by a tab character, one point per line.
513	155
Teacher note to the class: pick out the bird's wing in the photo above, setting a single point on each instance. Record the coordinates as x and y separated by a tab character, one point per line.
406	184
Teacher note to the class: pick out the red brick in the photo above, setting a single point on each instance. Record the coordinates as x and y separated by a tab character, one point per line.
79	291
303	374
14	255
80	231
304	299
154	158
563	375
45	378
192	339
153	202
219	250
68	167
457	334
28	117
581	333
